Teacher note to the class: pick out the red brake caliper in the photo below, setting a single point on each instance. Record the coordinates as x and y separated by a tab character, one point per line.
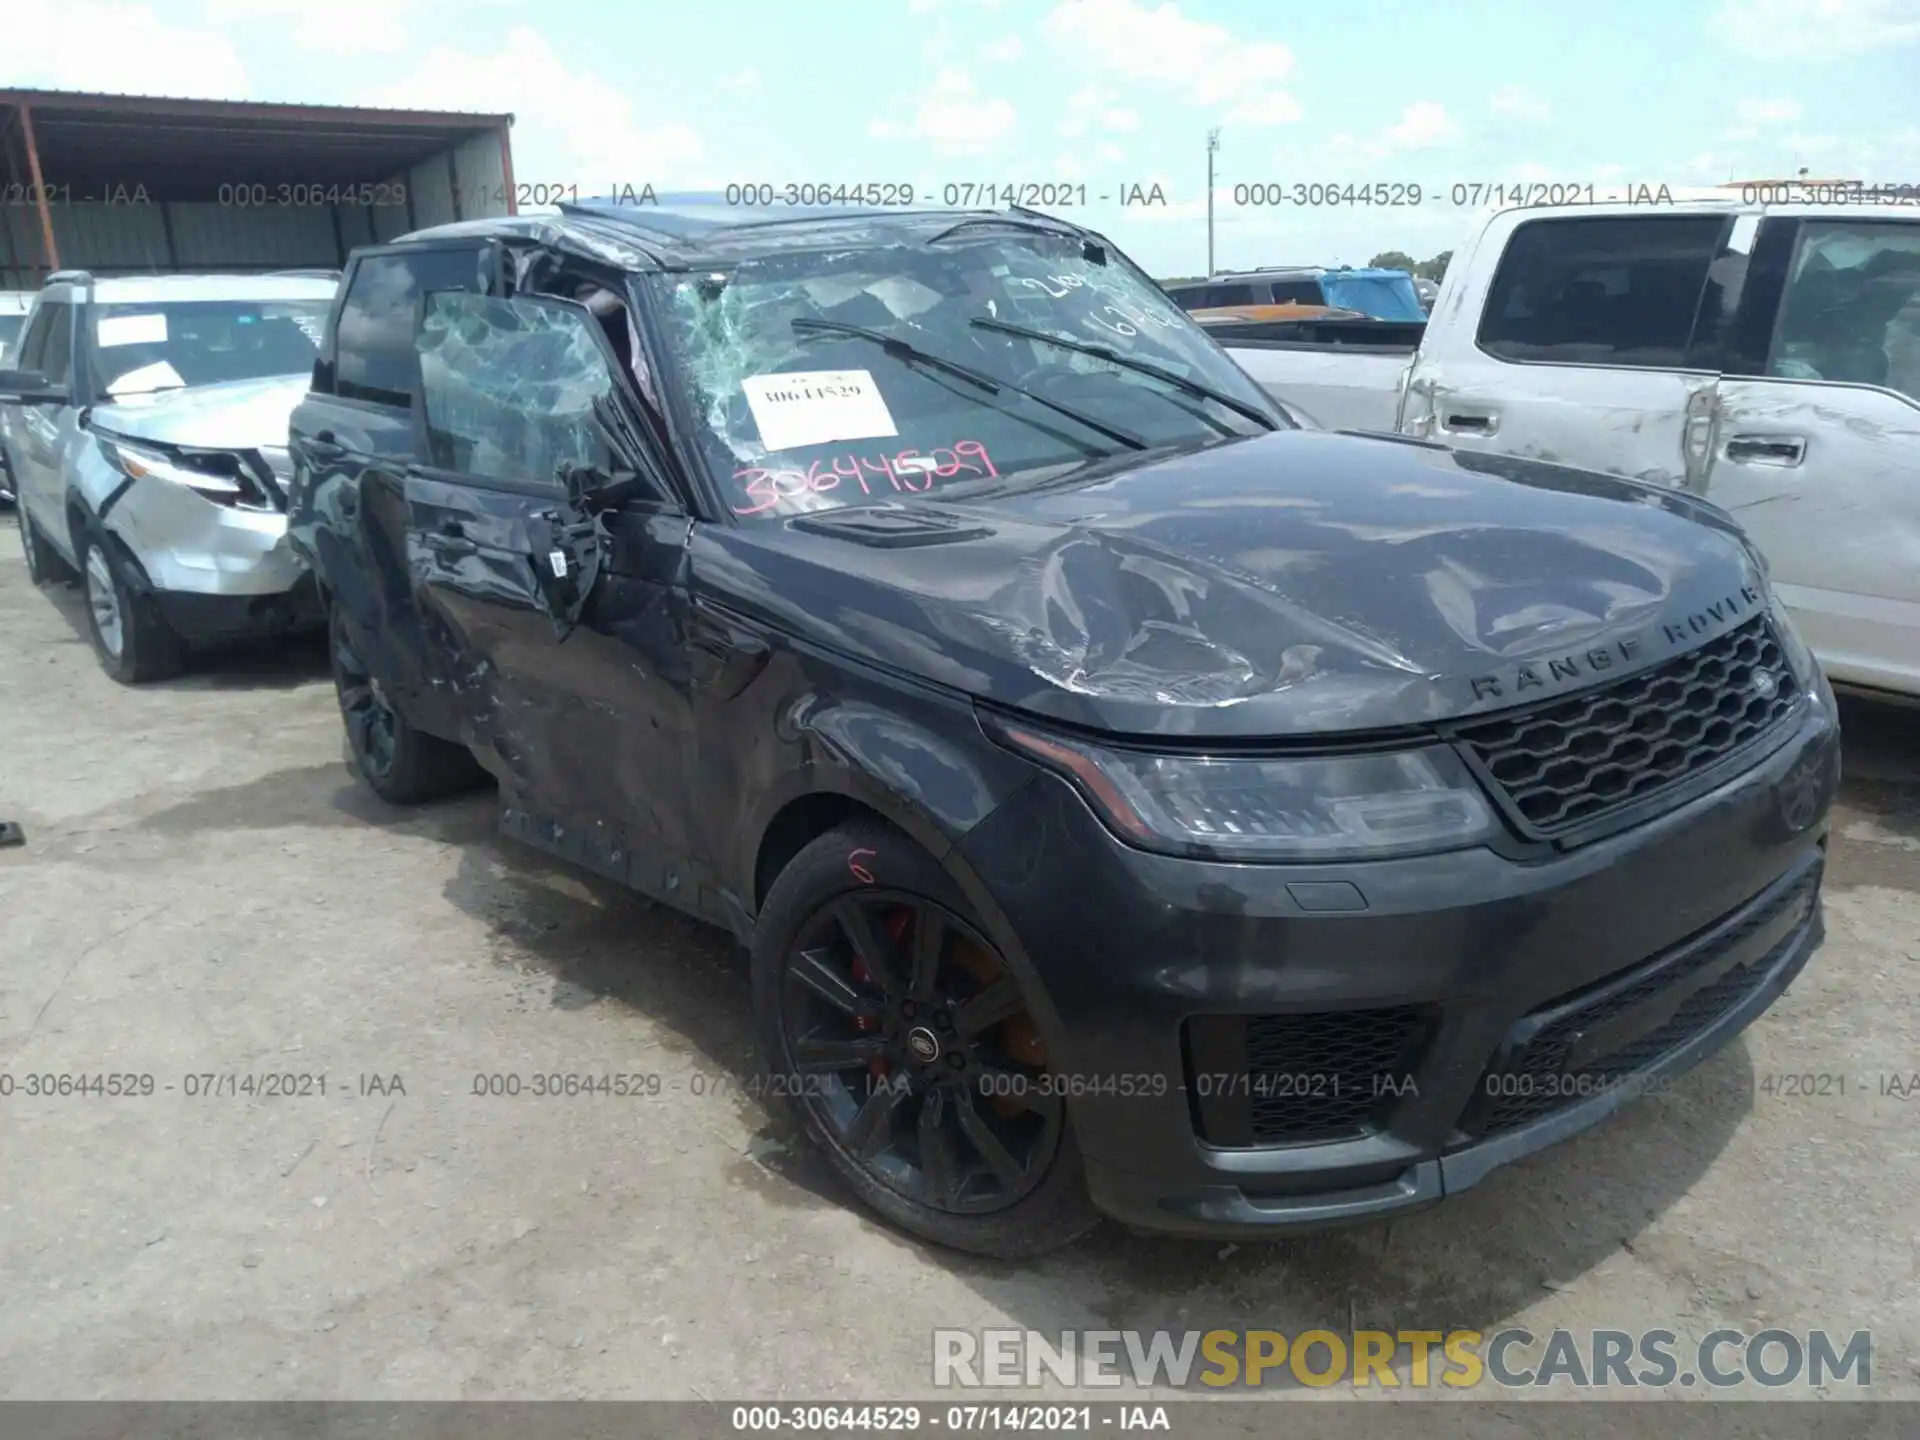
896	928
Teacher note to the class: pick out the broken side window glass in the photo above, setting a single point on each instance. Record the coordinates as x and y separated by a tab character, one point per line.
508	387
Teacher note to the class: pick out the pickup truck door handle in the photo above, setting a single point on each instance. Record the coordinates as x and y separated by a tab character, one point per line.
1465	423
1768	449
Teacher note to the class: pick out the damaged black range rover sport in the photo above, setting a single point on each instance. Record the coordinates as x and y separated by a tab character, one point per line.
1133	802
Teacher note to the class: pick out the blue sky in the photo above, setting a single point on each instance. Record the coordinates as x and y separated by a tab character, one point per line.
1101	92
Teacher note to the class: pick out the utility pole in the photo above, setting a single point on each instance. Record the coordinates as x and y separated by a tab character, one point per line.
1213	146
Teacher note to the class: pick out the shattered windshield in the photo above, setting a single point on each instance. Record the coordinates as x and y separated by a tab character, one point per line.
137	349
811	417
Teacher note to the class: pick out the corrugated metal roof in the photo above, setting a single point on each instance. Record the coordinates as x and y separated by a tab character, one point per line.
77	99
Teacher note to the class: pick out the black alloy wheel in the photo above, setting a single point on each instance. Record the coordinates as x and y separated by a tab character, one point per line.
908	1049
403	765
369	719
897	1017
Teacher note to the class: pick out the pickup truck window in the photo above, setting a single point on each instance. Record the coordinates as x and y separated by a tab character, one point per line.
373	356
1218	295
508	386
1614	290
1851	311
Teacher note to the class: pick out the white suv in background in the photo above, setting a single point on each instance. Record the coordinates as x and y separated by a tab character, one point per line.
14	305
145	424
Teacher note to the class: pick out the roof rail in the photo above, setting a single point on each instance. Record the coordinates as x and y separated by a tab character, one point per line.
317	272
69	277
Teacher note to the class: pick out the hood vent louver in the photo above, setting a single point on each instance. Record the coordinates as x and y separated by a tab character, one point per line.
890	527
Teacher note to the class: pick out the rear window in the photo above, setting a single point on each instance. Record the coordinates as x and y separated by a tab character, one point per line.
374	357
1616	290
1218	295
1298	292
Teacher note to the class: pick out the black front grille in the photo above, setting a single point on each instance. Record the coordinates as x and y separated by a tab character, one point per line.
1541	1069
1562	764
1300	1079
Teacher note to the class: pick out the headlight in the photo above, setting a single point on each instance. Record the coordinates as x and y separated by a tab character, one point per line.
222	483
1336	807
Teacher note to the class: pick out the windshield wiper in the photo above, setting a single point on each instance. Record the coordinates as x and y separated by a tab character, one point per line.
909	354
1127	362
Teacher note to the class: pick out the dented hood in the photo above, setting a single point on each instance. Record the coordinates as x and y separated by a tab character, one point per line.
1299	583
232	415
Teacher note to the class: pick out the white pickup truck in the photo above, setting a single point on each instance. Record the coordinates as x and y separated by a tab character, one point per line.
1765	355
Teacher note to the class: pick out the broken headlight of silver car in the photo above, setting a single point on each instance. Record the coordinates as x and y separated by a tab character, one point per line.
216	475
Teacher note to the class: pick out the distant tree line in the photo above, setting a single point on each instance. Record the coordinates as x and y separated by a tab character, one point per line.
1425	269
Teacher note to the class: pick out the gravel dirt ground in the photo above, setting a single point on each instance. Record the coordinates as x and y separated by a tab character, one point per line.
205	890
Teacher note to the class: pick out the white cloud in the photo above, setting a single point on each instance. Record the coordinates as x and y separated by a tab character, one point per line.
571	126
1093	105
1423	125
1007	47
1274	107
1205	63
1767	112
1519	103
1108	153
126	49
338	27
1814	30
957	119
740	81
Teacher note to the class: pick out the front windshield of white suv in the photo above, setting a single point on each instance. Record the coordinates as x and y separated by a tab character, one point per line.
844	375
139	348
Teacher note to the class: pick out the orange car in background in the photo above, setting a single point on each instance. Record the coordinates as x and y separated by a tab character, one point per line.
1299	292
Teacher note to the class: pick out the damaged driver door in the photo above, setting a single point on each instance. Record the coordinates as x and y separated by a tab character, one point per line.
502	543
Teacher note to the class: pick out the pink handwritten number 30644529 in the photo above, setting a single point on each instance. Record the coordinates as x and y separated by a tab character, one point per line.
771	488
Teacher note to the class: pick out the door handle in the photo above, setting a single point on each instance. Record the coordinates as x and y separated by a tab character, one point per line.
325	447
1464	422
452	530
1768	449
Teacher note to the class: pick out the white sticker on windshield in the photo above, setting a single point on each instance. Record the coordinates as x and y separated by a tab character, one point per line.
812	407
131	330
157	376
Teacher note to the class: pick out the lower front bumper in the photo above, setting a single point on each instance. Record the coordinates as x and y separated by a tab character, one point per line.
1229	1210
212	619
1598	972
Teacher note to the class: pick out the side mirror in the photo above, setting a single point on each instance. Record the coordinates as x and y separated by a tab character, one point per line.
29	387
591	489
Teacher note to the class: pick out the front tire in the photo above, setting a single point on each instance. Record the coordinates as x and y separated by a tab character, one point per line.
401	764
133	643
905	1048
